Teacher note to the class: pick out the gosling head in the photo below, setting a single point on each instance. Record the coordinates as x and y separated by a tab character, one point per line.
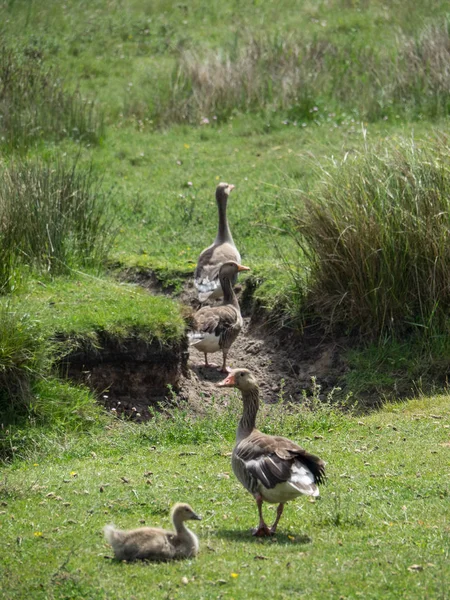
183	512
243	379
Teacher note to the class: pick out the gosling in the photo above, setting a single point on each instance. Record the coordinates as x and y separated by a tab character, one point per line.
153	543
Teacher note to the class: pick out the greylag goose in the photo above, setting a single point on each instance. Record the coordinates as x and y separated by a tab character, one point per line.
272	468
206	274
215	328
156	544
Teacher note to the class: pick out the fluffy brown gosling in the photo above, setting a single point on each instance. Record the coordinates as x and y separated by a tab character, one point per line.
153	543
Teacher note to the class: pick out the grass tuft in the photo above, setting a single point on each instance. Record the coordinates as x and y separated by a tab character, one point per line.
24	353
35	105
377	240
52	217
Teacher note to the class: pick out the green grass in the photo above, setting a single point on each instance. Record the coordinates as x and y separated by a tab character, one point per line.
35	105
82	306
384	509
45	322
54	216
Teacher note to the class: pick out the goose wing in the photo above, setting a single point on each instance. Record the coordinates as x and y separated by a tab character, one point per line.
214	320
206	274
273	460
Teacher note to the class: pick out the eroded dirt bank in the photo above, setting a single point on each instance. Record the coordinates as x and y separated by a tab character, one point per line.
130	376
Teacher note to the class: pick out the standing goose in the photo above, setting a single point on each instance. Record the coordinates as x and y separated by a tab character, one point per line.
154	543
216	327
272	468
206	274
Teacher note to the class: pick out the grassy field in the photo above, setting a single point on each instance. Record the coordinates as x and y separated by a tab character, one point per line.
379	530
127	115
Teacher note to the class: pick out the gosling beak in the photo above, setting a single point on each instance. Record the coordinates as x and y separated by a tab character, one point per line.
227	382
196	517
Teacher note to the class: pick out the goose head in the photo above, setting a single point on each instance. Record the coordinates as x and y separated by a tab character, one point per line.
223	190
183	512
243	379
230	269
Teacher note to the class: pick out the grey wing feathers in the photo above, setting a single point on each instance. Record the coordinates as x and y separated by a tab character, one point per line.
206	320
206	278
270	459
215	320
270	470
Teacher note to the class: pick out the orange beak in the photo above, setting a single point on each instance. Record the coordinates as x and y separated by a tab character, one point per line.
227	382
242	268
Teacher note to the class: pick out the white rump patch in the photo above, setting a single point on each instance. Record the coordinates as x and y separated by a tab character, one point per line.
300	482
204	342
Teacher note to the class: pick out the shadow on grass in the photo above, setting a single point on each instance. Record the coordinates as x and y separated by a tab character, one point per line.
279	538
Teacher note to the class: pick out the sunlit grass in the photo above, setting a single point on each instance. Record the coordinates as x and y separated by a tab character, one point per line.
380	526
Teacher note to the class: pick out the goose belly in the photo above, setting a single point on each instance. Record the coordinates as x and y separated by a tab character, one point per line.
207	343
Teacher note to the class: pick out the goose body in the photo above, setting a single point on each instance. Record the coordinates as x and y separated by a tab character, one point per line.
153	543
216	327
223	249
272	468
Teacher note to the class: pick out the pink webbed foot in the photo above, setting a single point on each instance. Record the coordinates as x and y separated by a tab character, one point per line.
211	365
262	531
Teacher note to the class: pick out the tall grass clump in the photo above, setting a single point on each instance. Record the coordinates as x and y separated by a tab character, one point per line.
51	217
423	73
377	236
24	354
258	73
35	105
261	73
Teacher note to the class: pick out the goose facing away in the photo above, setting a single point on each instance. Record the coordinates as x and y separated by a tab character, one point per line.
223	249
153	543
272	468
215	328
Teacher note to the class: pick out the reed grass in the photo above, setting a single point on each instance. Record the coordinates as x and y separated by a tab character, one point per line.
376	236
52	217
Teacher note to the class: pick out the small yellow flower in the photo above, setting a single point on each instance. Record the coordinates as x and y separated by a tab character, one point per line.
217	177
234	575
38	533
73	474
35	464
291	537
187	146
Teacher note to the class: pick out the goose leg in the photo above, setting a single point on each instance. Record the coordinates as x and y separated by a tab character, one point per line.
224	368
279	513
262	529
208	364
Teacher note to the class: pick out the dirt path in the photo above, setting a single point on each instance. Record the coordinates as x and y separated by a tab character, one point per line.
282	362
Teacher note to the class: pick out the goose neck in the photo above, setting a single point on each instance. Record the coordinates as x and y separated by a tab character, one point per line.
229	297
250	399
223	233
